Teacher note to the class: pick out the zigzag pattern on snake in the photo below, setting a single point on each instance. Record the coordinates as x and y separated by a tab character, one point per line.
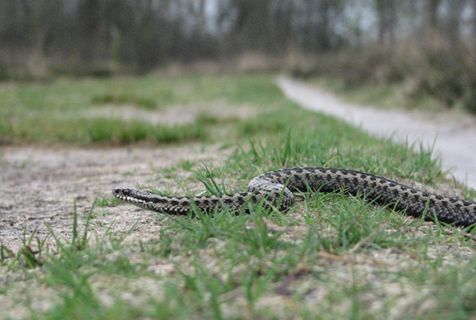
275	189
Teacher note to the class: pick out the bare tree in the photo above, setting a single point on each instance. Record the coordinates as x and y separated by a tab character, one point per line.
473	5
430	16
89	11
386	12
453	20
143	34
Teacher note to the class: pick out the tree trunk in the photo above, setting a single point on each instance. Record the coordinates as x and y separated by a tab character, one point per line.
89	22
386	20
453	25
473	5
430	16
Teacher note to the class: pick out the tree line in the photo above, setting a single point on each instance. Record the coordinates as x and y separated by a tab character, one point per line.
360	36
147	33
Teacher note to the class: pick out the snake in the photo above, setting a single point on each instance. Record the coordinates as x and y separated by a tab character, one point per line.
277	189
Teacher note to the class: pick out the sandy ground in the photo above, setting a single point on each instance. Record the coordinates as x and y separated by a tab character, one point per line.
172	115
452	136
39	186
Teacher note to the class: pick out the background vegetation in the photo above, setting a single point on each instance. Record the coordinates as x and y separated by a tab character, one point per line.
426	46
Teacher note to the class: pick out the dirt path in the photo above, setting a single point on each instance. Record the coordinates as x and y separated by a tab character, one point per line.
39	186
452	136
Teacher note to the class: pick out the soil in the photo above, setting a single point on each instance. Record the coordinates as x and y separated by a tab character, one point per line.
41	186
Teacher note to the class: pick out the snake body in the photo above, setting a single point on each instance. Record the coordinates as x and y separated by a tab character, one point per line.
275	189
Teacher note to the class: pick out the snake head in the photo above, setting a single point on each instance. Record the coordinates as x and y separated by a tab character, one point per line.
136	196
152	201
122	192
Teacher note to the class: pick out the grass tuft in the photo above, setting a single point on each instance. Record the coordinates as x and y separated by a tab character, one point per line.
124	98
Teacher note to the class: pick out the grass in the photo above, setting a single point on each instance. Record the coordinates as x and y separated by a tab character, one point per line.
97	131
107	202
380	94
115	98
332	256
53	112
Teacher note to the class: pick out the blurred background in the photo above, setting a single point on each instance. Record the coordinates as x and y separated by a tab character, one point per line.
426	46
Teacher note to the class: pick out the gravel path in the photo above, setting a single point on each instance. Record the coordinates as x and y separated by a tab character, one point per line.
453	137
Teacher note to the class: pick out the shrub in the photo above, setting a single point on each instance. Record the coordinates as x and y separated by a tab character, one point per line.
440	70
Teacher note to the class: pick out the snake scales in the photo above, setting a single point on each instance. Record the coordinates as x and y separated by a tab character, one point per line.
275	189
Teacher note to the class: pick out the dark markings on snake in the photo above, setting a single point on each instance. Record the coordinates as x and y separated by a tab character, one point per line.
274	189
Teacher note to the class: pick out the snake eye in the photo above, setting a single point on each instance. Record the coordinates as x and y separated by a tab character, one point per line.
121	192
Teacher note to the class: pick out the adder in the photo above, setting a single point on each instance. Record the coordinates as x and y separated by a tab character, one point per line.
276	189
